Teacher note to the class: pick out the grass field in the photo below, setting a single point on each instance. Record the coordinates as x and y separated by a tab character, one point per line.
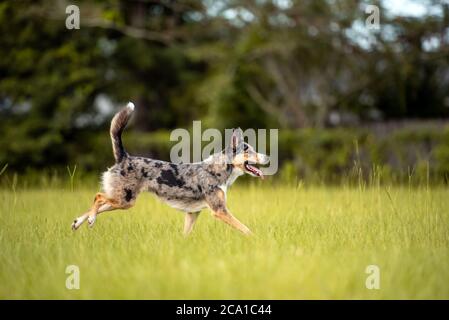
309	243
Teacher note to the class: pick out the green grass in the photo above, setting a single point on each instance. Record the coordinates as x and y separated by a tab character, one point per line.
309	243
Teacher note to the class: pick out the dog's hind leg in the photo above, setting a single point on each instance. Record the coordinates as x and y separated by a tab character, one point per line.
93	216
101	204
79	221
189	222
217	203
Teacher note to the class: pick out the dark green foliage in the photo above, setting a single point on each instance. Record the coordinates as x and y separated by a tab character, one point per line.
253	64
337	155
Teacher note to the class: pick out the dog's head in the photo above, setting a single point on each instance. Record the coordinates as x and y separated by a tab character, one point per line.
243	156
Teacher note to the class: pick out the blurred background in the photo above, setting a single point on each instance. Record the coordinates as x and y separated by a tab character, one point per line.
350	101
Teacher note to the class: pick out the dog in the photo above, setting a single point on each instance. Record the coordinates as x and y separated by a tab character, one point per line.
189	187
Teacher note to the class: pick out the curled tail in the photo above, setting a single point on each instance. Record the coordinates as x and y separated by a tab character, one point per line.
118	123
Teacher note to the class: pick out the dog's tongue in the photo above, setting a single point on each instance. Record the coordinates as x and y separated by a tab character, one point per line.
256	171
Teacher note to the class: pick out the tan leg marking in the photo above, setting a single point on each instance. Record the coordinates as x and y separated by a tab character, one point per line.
217	203
228	218
101	204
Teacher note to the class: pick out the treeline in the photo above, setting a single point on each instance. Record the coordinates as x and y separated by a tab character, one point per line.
415	153
301	66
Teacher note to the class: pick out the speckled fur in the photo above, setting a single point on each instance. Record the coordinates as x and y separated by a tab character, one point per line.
182	186
188	187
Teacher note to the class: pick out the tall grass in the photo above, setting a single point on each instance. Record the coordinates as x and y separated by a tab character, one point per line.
311	241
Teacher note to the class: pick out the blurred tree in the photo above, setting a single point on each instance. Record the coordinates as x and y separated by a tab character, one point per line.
248	63
298	62
290	59
410	66
52	78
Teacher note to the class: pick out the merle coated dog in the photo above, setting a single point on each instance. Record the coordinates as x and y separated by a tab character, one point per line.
189	187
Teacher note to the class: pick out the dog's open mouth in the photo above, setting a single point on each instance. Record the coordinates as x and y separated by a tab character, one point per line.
251	169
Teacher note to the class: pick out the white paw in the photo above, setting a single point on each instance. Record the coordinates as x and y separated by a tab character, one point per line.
91	220
76	224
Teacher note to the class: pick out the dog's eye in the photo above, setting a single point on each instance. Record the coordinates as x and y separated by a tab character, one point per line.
245	147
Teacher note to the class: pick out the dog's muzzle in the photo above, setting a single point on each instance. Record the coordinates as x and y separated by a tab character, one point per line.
263	158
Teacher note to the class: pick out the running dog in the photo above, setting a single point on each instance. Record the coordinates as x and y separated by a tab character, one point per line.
188	187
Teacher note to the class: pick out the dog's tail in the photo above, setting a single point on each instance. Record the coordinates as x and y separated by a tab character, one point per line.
118	123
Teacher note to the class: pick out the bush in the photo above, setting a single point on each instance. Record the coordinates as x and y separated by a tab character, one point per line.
335	155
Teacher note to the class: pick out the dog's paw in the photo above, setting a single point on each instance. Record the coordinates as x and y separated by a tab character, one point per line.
78	222
75	225
91	220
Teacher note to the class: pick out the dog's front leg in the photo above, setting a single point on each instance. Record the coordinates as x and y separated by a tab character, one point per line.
217	203
227	217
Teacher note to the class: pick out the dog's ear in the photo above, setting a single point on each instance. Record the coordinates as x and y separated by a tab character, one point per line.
236	139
